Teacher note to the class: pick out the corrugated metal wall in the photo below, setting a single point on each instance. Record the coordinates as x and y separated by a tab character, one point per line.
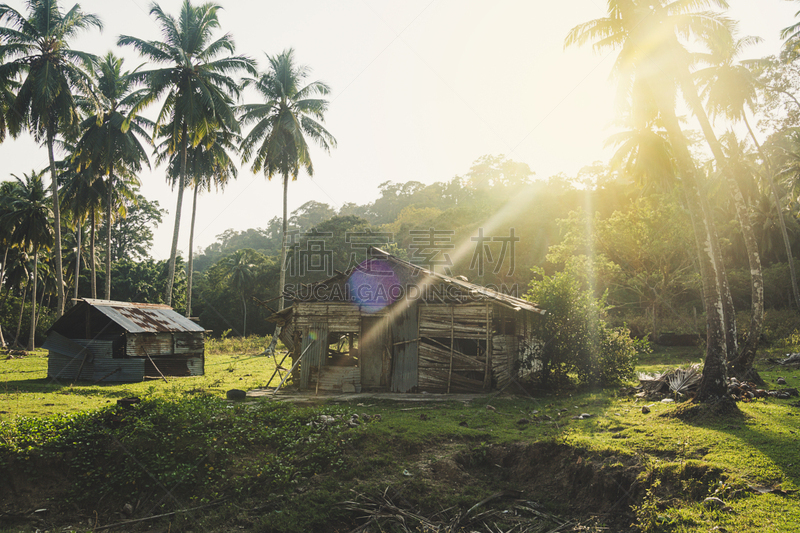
106	369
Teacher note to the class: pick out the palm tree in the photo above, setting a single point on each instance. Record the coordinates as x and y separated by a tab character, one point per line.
109	145
240	270
8	88
727	89
37	47
29	216
84	196
290	114
208	163
650	69
196	87
730	88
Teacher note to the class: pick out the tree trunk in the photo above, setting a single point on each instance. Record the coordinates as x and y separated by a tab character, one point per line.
3	266
173	254
56	224
92	262
21	310
285	230
274	341
782	221
748	354
32	335
714	382
77	259
189	265
244	316
109	200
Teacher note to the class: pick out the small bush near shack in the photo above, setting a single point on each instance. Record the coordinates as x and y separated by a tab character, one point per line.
578	345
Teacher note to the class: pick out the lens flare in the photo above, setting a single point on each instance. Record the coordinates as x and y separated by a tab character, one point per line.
374	285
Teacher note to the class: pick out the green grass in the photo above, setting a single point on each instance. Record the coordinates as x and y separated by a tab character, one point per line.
25	389
262	457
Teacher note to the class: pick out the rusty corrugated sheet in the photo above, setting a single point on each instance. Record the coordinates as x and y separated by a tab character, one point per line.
144	318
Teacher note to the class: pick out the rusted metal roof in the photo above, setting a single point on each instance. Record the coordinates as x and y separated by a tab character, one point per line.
136	317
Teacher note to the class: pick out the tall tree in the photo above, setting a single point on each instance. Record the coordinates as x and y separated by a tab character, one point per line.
82	196
196	87
289	115
239	270
29	216
110	141
647	35
730	87
37	49
209	164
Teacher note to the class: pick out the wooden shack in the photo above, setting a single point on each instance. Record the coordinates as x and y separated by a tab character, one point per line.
103	340
390	325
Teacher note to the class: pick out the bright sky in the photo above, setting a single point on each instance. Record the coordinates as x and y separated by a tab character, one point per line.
421	89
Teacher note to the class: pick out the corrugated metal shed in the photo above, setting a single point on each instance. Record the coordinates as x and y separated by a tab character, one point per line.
105	340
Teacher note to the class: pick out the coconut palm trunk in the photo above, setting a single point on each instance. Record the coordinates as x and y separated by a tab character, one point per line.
781	220
21	311
714	381
32	335
56	224
4	265
744	361
282	282
285	230
244	316
173	254
109	201
92	243
190	265
77	259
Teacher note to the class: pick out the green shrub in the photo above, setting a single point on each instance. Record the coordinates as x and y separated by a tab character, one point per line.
577	342
252	345
781	326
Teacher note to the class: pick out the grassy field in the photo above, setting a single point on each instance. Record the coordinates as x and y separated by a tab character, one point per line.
261	465
25	389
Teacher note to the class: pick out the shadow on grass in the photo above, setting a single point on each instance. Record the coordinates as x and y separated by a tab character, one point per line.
774	440
80	388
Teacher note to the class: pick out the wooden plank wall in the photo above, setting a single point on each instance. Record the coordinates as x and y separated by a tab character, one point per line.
339	317
316	333
405	353
505	350
442	369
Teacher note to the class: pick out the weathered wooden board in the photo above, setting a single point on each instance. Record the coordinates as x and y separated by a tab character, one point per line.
405	340
374	345
317	336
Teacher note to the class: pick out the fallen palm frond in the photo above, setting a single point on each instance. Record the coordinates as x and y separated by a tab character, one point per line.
381	514
684	380
680	380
